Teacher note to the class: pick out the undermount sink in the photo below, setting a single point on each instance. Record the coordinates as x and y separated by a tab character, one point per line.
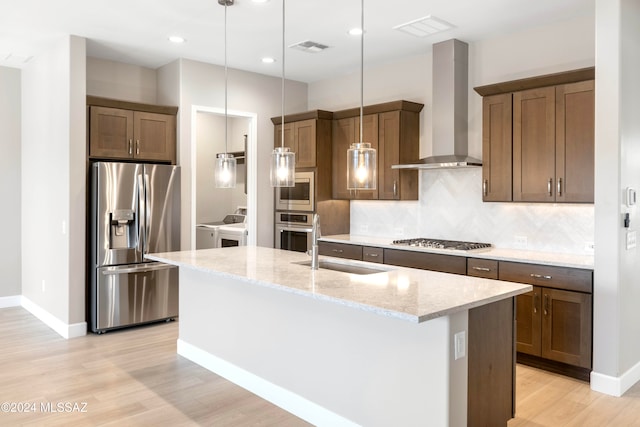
344	268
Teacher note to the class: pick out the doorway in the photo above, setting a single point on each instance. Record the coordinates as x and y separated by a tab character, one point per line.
208	139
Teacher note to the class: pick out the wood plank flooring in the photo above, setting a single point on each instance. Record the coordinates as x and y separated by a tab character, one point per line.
134	377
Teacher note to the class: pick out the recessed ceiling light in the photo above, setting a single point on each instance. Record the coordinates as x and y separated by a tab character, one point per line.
268	60
176	39
355	31
425	26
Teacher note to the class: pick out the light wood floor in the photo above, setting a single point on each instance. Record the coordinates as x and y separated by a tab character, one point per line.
134	377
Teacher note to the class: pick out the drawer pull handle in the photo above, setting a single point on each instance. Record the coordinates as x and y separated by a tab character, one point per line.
338	251
481	268
131	147
485	185
372	255
137	147
541	276
549	185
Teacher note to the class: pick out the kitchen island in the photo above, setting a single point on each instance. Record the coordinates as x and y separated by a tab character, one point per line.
382	347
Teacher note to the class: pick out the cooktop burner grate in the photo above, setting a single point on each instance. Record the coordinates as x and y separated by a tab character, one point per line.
442	244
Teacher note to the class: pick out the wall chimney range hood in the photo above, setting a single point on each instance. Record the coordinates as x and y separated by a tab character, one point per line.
450	105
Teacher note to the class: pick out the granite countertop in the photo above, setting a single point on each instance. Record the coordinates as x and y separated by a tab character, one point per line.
499	254
404	293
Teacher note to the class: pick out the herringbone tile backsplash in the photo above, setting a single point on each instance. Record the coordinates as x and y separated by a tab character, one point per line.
451	207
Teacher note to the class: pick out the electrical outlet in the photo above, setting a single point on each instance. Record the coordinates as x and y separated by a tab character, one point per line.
521	241
459	343
631	239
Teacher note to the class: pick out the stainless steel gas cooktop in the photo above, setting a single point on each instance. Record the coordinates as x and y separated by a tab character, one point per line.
456	245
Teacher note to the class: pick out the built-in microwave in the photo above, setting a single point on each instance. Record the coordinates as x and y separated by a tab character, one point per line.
301	197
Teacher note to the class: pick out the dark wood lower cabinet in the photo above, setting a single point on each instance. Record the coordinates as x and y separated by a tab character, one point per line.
555	326
491	375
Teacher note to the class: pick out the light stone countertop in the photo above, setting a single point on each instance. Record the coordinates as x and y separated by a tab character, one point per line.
403	293
499	254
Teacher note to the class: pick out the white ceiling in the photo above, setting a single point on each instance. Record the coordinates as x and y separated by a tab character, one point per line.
137	31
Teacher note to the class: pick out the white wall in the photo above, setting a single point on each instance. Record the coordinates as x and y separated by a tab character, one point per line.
617	356
116	80
53	182
452	199
202	84
10	186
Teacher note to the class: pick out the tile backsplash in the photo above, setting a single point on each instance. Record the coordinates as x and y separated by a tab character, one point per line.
451	207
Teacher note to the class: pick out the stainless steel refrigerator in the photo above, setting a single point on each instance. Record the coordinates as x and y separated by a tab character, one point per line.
135	210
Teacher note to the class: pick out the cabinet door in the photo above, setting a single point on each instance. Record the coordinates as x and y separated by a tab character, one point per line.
305	143
288	136
155	136
528	322
111	132
575	117
534	145
344	134
497	160
566	327
398	141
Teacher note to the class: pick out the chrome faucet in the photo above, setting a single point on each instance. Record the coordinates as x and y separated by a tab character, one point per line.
315	235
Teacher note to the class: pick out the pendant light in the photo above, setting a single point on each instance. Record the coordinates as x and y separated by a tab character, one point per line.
225	169
283	160
362	161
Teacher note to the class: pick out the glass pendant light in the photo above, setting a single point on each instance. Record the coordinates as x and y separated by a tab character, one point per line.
225	169
283	160
362	163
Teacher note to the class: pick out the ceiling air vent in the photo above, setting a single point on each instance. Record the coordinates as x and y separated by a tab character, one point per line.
309	46
425	26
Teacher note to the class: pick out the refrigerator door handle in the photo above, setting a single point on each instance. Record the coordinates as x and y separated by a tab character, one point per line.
147	213
136	268
142	214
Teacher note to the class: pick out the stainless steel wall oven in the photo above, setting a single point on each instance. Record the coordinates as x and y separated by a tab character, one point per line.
293	231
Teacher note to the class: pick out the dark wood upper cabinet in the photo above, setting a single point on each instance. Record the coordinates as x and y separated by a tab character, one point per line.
121	130
303	137
534	148
497	143
575	118
552	136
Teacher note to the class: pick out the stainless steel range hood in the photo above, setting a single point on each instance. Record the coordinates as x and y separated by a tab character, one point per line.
450	105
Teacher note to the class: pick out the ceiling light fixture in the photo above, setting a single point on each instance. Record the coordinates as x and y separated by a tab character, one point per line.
268	60
176	39
225	169
283	160
425	26
362	161
355	31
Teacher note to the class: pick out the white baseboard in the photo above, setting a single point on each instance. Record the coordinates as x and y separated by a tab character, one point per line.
285	399
615	386
12	301
65	330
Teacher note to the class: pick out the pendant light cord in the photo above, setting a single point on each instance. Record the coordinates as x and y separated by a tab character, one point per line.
283	48
361	68
226	117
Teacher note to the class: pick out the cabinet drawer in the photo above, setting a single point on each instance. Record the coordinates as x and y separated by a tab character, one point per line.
570	279
372	254
426	261
340	250
482	268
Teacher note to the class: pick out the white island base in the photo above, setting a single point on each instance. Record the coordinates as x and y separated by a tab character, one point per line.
346	349
326	363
